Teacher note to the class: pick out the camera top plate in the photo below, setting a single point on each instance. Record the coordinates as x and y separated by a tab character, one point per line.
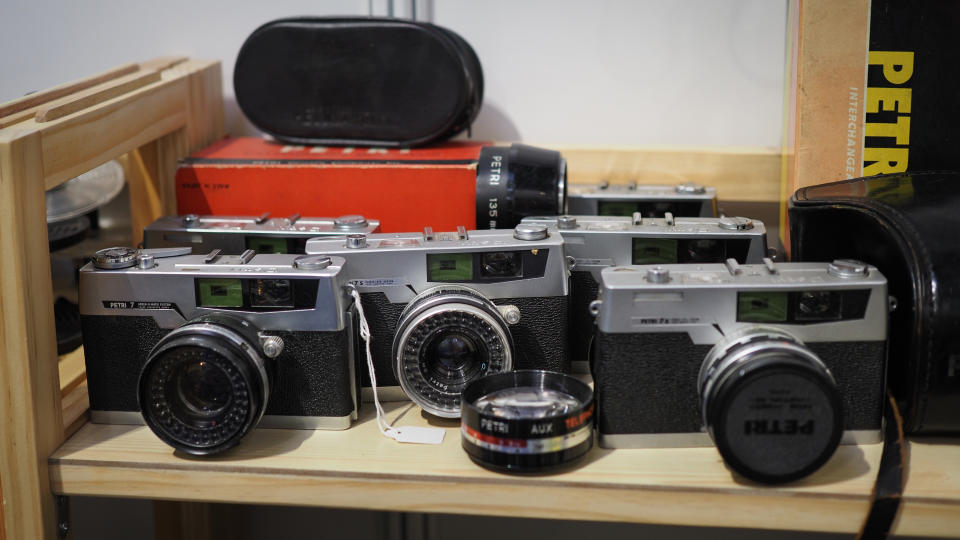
712	300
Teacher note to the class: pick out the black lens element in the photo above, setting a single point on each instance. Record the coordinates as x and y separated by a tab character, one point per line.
452	357
200	392
518	181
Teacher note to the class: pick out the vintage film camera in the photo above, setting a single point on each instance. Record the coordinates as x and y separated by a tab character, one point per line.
596	242
777	363
263	234
447	308
686	199
200	347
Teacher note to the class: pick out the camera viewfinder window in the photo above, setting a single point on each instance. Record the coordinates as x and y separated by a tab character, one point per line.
267	245
654	251
220	292
449	267
616	208
501	264
762	306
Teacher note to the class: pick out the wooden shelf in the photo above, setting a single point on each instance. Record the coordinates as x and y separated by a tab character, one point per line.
359	468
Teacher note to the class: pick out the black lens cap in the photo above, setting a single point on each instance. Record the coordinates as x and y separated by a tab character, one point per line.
775	422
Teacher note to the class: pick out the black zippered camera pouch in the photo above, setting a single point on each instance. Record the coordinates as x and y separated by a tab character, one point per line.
358	81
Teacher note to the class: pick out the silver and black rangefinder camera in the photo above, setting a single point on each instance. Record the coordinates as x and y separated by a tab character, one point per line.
447	308
597	242
263	234
651	200
200	347
777	363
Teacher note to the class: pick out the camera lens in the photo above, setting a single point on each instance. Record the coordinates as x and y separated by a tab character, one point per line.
519	181
447	337
452	357
771	405
203	386
202	392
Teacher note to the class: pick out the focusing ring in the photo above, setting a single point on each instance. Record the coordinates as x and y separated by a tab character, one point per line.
437	313
228	346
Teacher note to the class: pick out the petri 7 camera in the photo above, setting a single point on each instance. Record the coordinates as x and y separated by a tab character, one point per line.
447	308
652	200
777	363
200	347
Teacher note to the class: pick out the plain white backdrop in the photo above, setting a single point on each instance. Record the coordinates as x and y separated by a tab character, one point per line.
604	72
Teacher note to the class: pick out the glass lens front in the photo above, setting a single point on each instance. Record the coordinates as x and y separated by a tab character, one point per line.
527	402
453	358
200	392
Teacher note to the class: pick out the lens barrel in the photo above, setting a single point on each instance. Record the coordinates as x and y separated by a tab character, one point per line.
770	405
204	386
527	420
519	181
447	337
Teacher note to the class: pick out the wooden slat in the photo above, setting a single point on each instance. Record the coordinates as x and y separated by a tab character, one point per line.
75	403
72	371
359	468
97	94
739	174
161	63
38	98
31	422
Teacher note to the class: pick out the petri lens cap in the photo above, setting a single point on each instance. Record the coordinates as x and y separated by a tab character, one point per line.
777	422
517	181
527	420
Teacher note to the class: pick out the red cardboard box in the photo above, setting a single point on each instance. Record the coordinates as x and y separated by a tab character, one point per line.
247	175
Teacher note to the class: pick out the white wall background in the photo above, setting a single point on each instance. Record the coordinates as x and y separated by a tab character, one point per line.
603	72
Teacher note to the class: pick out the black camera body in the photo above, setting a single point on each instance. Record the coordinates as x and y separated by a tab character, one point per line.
469	302
776	363
200	348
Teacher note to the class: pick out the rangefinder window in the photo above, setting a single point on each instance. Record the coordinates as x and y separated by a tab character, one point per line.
449	267
654	251
263	244
501	264
762	306
219	292
272	293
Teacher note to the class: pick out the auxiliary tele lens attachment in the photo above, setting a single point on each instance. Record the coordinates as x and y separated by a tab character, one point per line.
205	385
771	405
446	337
519	181
527	421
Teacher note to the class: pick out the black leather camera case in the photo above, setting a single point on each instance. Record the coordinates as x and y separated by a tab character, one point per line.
908	226
358	81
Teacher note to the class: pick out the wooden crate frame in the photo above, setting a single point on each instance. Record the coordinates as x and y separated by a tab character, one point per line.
156	112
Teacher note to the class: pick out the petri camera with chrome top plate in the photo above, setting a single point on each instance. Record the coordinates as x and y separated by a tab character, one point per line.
596	242
201	347
263	234
652	200
447	308
776	362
